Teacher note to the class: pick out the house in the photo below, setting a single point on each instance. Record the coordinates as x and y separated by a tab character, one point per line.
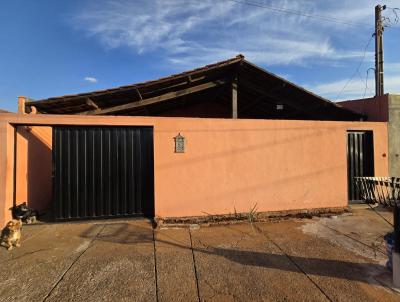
214	140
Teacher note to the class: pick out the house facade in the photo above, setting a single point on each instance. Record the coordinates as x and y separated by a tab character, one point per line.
216	140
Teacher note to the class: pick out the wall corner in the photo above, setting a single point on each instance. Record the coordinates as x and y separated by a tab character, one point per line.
394	134
6	171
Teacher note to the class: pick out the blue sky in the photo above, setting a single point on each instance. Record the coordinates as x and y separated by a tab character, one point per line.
51	48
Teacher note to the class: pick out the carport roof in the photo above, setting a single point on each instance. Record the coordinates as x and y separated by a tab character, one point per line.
259	92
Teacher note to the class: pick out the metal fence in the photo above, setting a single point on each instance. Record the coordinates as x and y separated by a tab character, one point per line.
383	190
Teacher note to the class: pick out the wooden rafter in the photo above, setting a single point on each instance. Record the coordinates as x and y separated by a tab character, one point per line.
139	94
91	103
156	99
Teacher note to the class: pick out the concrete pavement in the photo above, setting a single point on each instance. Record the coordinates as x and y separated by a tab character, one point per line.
292	260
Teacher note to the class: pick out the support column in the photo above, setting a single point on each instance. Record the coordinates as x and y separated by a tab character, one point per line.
394	171
21	104
234	99
6	171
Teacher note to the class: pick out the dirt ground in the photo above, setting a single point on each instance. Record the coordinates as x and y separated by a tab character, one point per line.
320	259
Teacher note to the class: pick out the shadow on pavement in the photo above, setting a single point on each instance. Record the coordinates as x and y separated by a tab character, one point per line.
314	266
125	233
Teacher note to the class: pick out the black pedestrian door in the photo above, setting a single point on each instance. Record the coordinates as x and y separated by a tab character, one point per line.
102	172
360	160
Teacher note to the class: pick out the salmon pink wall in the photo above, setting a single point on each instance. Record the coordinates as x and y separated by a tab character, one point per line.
34	166
232	165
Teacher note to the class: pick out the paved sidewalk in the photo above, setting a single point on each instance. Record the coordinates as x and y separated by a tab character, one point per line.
319	259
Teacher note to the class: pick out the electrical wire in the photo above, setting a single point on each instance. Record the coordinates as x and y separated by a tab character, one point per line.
301	13
380	215
357	69
389	22
366	82
362	80
327	19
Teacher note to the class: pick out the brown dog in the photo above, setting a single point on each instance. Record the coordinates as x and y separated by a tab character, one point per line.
11	234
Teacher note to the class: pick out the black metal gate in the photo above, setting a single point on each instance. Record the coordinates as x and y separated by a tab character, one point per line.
360	160
102	172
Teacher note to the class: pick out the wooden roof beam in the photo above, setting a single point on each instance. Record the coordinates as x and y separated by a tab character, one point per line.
156	99
91	103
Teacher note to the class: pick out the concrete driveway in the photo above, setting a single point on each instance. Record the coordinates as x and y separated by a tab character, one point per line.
319	259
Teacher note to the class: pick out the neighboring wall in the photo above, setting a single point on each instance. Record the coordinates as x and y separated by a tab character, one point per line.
231	165
375	109
385	108
394	135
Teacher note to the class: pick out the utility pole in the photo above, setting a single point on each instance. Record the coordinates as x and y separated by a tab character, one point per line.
379	50
378	92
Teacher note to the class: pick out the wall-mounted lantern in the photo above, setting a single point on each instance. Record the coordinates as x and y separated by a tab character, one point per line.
179	144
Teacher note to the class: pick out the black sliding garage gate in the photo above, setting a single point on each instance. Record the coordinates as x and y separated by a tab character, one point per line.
102	172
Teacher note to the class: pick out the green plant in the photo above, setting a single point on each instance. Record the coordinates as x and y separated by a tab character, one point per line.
252	215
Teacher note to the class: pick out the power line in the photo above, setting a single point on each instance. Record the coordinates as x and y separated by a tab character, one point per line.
380	215
358	67
301	13
362	80
389	22
333	20
366	81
